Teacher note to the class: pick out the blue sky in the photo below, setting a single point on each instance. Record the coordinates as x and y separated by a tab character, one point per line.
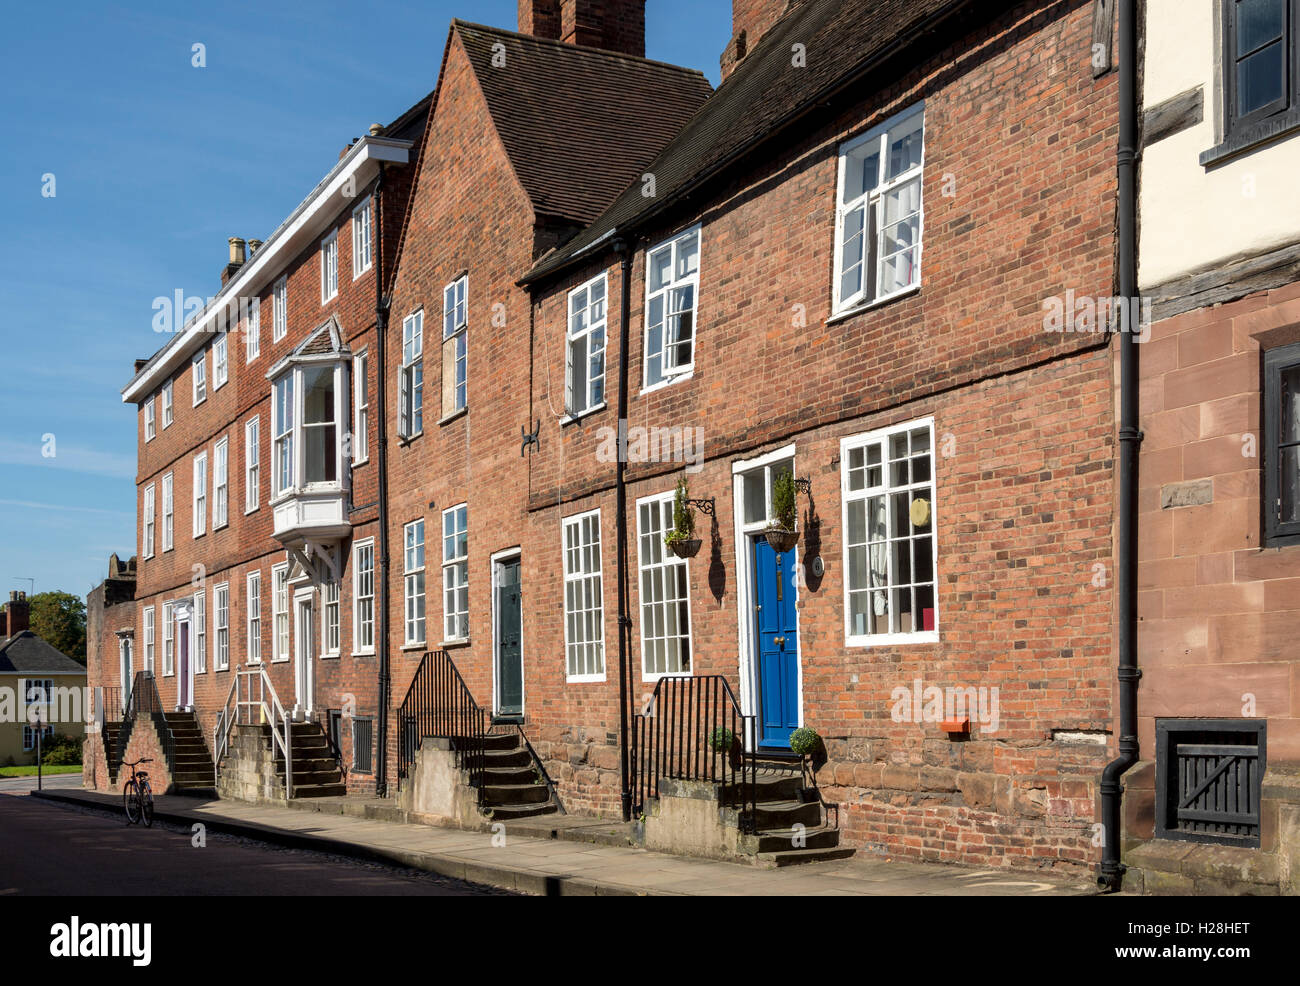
155	164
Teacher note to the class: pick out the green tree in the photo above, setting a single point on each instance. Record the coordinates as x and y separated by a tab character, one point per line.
59	618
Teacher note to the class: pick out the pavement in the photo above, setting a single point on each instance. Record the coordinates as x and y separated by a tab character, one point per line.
56	782
574	857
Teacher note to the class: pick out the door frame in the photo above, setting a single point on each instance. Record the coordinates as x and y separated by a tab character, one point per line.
495	561
746	631
303	645
125	660
183	615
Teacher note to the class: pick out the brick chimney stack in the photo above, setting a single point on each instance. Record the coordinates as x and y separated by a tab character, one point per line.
615	25
236	260
16	615
750	20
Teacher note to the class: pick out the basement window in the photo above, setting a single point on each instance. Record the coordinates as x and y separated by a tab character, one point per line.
363	746
1282	446
1208	774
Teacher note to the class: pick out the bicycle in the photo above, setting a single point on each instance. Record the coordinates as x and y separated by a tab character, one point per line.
137	796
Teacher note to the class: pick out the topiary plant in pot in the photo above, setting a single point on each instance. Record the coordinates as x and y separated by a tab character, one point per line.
681	540
781	533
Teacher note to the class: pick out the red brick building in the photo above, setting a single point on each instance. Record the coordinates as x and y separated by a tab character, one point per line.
833	269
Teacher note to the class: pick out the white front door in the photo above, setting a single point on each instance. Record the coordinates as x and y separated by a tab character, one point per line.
126	667
304	645
184	666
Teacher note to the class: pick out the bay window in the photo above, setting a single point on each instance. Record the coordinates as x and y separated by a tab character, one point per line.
282	433
307	421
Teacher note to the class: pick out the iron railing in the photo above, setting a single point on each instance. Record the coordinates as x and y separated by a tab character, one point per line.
693	730
439	705
252	701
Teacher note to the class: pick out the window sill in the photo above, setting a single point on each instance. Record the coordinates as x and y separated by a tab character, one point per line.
584	679
279	660
452	644
447	419
894	639
858	309
328	657
250	510
360	462
570	419
363	653
669	381
415	646
405	440
1250	137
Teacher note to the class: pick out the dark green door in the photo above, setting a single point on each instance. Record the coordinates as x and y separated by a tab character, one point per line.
510	654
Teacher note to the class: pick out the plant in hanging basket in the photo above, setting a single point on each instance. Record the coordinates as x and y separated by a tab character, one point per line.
781	533
681	540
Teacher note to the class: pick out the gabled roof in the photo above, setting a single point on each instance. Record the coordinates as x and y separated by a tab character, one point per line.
578	123
26	653
841	39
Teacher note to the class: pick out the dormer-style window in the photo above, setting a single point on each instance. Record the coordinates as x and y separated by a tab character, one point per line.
878	212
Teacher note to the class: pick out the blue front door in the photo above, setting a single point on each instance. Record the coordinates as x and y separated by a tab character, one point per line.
778	644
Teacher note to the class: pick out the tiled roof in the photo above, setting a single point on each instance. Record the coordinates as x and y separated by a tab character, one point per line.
26	653
579	124
765	91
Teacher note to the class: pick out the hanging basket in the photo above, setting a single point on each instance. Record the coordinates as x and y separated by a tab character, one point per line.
685	548
780	539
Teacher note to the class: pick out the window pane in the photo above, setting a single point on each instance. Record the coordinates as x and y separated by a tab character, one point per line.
1258	23
851	253
1260	78
905	146
660	264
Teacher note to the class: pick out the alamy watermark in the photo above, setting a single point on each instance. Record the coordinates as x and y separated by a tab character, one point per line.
930	703
1083	313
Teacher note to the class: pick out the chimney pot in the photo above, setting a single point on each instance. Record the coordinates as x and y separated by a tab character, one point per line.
376	129
236	250
254	246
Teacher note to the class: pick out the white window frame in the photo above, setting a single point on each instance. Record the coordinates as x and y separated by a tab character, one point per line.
253	331
881	437
329	267
577	581
455	574
168	407
280	309
150	422
221	627
279	612
253	605
150	528
677	371
283	449
200	491
221	484
148	624
414	589
360	575
362	252
331	618
584	324
290	467
200	624
252	463
667	564
868	203
220	361
455	330
410	386
199	376
361	407
168	512
169	640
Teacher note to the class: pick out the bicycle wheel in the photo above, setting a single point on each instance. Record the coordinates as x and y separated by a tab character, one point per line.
146	804
130	804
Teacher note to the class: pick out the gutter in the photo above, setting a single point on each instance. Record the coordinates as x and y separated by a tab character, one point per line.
381	616
1110	874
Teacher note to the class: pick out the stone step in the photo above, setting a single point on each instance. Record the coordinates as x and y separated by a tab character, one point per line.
781	840
792	857
785	814
507	758
767	788
505	813
523	774
515	794
319	790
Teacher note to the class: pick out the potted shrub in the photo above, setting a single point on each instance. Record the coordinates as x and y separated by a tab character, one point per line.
681	540
805	742
781	533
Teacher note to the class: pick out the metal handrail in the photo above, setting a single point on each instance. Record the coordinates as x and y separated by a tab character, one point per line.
240	713
438	704
681	736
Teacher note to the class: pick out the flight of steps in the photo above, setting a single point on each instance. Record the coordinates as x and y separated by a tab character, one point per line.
112	753
512	783
316	774
782	801
191	766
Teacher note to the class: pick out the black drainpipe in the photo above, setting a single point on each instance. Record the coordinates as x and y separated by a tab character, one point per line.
1111	872
624	249
381	617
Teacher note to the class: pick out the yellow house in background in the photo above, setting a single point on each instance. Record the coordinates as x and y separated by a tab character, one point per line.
34	675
